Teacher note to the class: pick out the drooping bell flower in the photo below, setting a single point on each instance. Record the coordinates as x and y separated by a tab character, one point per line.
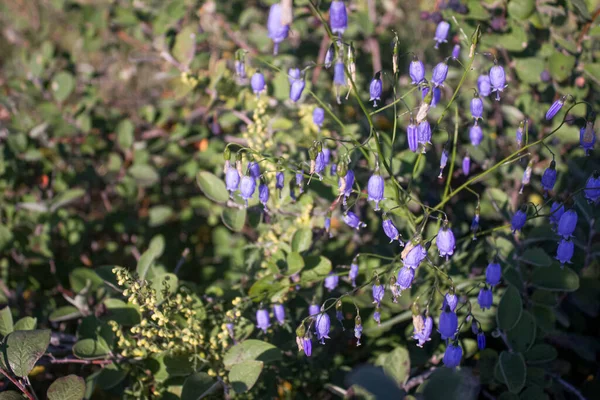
254	169
453	355
375	188
296	89
556	211
395	289
353	273
493	273
412	134
313	310
437	93
247	188
353	221
425	105
262	319
240	64
300	180
279	313
567	223
339	315
322	326
375	89
358	329
476	135
481	340
406	275
439	74
232	180
587	137
445	241
555	108
549	177
484	86
329	55
390	230
258	83
345	184
338	17
450	301
456	52
526	176
424	137
485	298
331	281
477	107
448	324
319	165
307	346
518	220
441	33
592	188
497	80
326	155
422	330
278	32
475	222
416	71
443	162
519	134
378	292
466	165
263	194
339	78
318	117
565	250
327	225
377	316
412	257
279	181
293	75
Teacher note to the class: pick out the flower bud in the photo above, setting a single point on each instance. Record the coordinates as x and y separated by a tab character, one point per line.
565	250
339	78
440	72
480	340
549	177
555	108
412	134
466	165
567	224
484	86
443	162
453	355
278	31
497	80
518	220
493	273
375	89
416	71
263	194
456	52
329	55
519	134
296	89
262	319
258	83
375	188
485	298
441	33
338	17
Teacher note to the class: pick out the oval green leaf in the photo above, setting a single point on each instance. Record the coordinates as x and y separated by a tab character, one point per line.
90	349
522	336
536	256
70	387
302	240
62	85
243	376
510	309
23	349
197	386
212	187
513	370
251	349
541	353
555	279
234	218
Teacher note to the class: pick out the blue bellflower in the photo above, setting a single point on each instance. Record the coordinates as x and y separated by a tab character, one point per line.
353	273
232	179
456	51
497	80
477	107
346	185
564	252
247	187
353	221
493	273
518	220
279	313
445	241
416	71
441	33
476	135
484	86
307	346
414	256
452	356
406	275
481	340
338	17
412	134
293	75
549	177
556	211
485	298
254	169
375	188
391	231
358	329
439	74
450	301
318	117
262	319
466	165
339	79
375	89
296	89
257	82
424	137
567	223
378	293
313	310
331	281
279	180
322	326
278	32
329	55
422	331
592	188
448	324
263	194
587	137
443	162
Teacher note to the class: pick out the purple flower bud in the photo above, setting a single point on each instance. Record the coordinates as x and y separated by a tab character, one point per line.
481	340
493	273
240	69
338	18
390	230
456	51
567	223
296	89
443	161
450	301
466	165
279	313
592	189
555	108
549	177
415	256
320	163
322	326
448	324
475	223
424	334
378	293
556	211
339	78
497	80
331	281
318	117
424	136
565	250
353	221
545	76
441	33
247	187
326	155
416	70
476	135
440	72
307	346
375	89
445	242
519	136
300	180
405	277
358	330
353	273
412	133
254	169
436	95
346	185
232	179
452	356
485	298
377	316
526	176
230	330
339	316
329	56
375	189
313	310
587	137
279	180
293	75
278	32
262	319
477	107
327	225
258	83
518	220
484	86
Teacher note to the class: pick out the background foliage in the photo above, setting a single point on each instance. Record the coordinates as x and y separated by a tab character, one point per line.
122	257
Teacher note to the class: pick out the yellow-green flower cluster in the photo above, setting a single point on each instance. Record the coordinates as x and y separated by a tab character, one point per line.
258	136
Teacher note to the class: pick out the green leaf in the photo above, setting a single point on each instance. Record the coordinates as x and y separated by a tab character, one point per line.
513	370
581	9
144	174
529	69
522	336
125	131
316	268
70	387
376	382
533	392
541	353
243	376
396	364
536	256
593	71
488	359
26	324
555	279
81	277
295	263
510	309
6	237
512	276
65	313
23	349
11	395
212	187
162	281
159	215
145	262
561	65
444	383
90	349
251	349
302	240
234	218
66	198
521	9
110	376
197	386
62	85
122	313
185	45
6	321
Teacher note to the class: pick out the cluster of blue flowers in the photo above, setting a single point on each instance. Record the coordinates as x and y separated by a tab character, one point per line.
419	133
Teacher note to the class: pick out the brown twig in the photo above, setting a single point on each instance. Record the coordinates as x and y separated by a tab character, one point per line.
78	361
586	29
417	380
18	384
